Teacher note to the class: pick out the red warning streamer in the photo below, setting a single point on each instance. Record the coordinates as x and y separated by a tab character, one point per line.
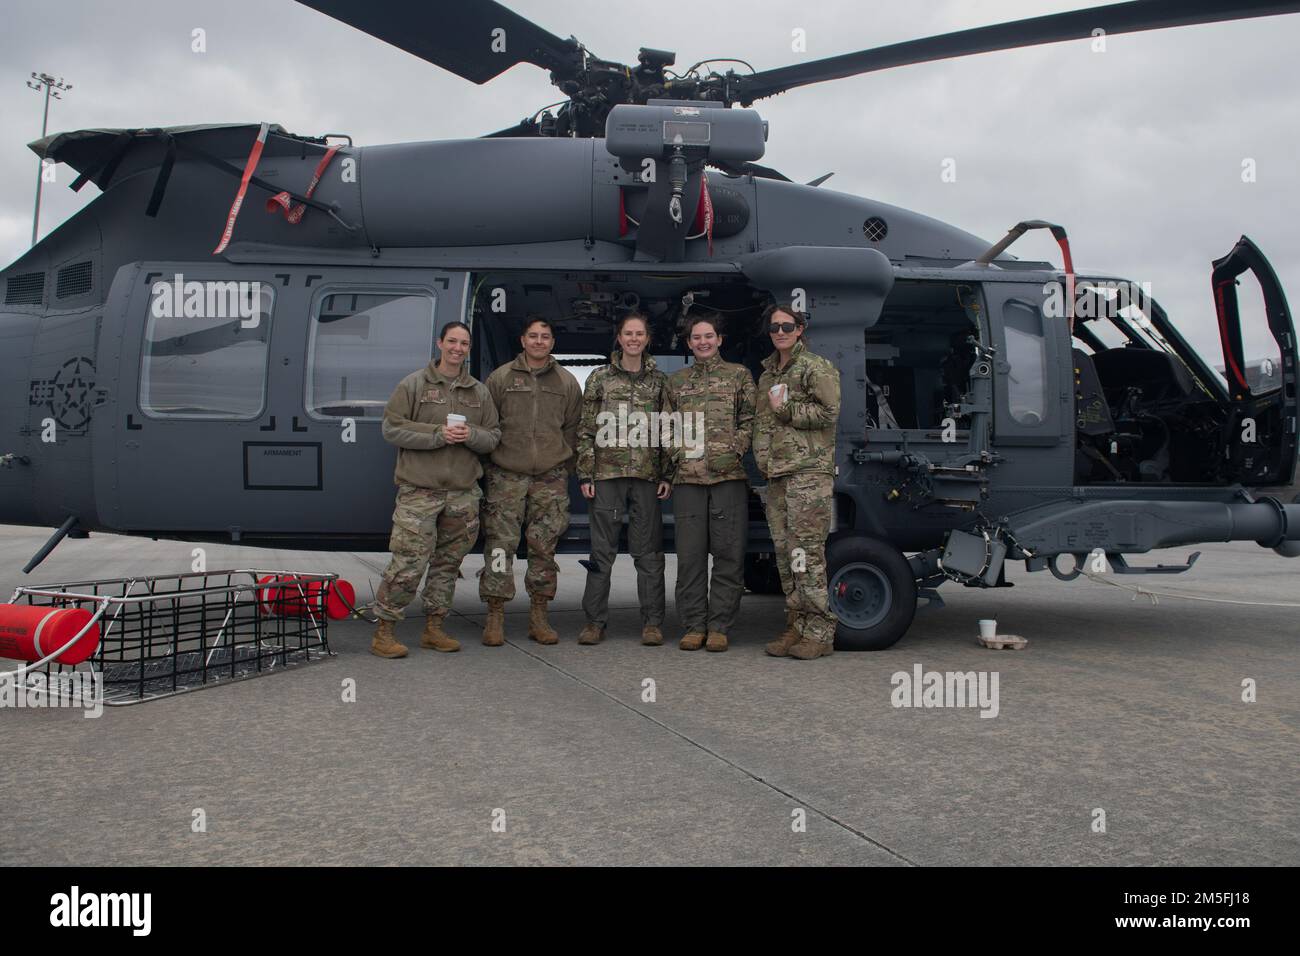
283	202
249	168
704	211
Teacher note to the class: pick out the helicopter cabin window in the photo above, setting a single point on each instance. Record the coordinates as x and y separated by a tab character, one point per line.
362	344
918	358
205	351
1027	358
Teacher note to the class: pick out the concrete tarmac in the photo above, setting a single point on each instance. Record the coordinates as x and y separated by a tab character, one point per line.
1118	707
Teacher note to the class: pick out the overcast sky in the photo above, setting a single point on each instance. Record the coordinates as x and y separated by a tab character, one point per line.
1136	150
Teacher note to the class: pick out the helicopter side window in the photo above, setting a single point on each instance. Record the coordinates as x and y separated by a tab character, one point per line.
361	345
205	352
1027	358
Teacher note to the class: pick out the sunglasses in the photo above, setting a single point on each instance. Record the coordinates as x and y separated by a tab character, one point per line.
786	327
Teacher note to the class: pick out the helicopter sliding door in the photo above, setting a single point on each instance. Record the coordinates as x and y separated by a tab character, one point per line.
251	396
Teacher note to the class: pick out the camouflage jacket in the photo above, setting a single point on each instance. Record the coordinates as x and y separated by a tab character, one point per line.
539	411
413	421
619	436
801	436
721	395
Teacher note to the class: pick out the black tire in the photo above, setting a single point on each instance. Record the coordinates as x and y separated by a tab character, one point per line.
872	593
761	574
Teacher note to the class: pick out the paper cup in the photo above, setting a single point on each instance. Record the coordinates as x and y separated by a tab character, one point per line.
988	628
454	419
777	391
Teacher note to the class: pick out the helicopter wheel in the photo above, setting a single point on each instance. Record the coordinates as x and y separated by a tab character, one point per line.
872	593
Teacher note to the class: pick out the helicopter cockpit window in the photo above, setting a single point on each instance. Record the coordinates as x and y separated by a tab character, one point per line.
362	344
1105	332
1027	358
205	350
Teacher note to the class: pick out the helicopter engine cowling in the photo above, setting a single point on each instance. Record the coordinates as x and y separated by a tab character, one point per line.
456	192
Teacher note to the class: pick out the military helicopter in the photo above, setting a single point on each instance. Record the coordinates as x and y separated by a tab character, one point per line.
174	369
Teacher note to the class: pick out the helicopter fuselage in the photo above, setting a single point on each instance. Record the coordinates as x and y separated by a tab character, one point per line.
132	403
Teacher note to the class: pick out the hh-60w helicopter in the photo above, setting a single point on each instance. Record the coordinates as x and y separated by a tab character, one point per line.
995	409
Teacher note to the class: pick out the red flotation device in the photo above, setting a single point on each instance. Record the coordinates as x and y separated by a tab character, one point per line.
31	632
295	597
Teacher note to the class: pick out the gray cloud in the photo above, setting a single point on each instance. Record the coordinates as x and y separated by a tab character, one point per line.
1137	150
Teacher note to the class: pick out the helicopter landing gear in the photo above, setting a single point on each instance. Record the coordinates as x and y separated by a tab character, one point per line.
872	593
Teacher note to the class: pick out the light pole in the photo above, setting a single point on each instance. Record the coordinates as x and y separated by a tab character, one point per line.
51	87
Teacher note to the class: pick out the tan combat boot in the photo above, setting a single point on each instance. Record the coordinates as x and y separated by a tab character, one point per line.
539	629
434	637
692	641
494	629
384	644
717	641
786	639
591	634
807	650
651	635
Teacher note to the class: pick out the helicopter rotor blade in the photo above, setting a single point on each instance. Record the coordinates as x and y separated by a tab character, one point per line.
1132	17
458	36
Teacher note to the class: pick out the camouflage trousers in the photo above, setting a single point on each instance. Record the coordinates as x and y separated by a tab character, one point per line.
537	505
433	530
799	515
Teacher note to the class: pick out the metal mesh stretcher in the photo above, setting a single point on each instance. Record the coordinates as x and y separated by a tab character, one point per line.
162	635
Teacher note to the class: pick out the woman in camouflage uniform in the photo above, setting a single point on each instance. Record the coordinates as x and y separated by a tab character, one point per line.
794	446
710	487
622	466
436	519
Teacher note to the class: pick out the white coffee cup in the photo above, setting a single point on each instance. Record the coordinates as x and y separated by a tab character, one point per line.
778	391
454	419
988	628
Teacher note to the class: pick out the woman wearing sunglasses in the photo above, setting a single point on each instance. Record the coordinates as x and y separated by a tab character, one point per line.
794	447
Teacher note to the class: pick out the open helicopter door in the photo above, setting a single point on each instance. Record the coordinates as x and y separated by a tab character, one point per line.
1261	431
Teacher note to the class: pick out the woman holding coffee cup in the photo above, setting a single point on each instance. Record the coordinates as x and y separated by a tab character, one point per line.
441	419
794	447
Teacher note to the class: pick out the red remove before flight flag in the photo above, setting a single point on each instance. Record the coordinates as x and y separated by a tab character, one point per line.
284	202
704	211
249	167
